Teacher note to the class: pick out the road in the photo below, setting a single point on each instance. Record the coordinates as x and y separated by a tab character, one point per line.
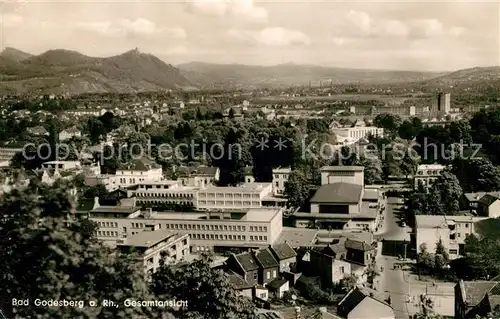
392	230
392	281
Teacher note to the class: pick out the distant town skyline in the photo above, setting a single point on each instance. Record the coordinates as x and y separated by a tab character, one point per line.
426	36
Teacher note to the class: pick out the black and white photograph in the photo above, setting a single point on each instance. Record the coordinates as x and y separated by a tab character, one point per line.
247	159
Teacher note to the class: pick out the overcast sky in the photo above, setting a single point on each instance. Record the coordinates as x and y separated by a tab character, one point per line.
412	35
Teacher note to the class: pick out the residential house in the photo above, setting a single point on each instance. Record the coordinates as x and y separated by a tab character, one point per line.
69	133
278	287
359	304
269	266
199	176
451	230
246	266
476	298
285	255
157	245
37	131
340	259
426	175
136	172
488	206
470	200
280	177
243	287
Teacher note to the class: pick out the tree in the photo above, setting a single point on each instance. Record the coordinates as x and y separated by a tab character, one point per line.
296	190
371	272
389	122
373	169
208	292
477	175
450	192
48	257
424	258
441	250
349	282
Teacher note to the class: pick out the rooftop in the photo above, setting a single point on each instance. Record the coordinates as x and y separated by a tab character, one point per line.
342	168
430	221
148	239
475	291
249	187
471	197
431	166
250	215
116	209
283	251
371	194
265	258
297	237
338	193
139	165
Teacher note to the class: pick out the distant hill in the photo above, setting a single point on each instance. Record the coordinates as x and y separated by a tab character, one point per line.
467	77
14	54
207	74
64	71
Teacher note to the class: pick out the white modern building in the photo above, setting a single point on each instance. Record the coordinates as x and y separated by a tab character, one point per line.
63	165
238	197
350	135
256	227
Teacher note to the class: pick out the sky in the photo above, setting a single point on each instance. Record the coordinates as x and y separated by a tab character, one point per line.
404	35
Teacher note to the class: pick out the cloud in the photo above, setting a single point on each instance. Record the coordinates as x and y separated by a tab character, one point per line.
357	24
425	28
277	37
127	27
239	9
11	20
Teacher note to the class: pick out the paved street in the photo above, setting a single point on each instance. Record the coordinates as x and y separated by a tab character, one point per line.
392	281
392	230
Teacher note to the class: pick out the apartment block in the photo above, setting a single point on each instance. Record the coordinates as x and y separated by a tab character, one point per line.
452	230
157	245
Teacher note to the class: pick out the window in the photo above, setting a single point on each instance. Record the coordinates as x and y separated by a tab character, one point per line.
274	273
466	225
342	270
268	275
453	252
263	296
255	276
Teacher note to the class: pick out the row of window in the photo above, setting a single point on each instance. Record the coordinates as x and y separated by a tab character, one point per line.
226	237
215	227
137	225
229	203
167	195
107	233
227	195
283	176
107	224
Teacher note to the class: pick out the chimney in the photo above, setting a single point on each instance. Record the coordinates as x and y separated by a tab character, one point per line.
96	202
322	309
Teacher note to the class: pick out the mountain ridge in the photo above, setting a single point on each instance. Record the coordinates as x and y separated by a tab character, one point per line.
68	71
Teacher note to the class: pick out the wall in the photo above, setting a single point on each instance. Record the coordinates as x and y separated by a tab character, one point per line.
331	177
431	236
